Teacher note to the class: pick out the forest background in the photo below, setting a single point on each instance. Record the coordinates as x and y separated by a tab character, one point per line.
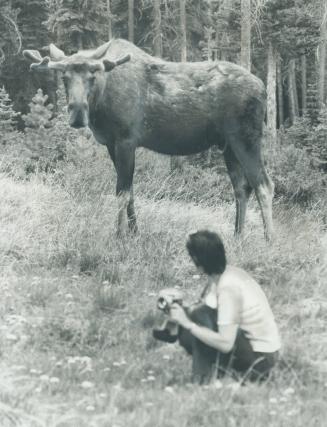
78	305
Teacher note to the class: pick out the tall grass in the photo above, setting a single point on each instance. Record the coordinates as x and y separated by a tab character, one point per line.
78	304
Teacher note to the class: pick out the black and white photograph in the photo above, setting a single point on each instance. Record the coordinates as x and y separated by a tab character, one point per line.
163	213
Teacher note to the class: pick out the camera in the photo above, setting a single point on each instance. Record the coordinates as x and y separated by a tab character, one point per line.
167	297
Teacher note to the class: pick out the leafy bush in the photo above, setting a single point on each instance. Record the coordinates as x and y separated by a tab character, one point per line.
295	179
310	137
316	141
47	142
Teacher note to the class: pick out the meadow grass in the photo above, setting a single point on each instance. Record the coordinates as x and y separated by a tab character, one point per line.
78	305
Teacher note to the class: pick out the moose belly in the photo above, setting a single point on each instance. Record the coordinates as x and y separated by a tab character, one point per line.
178	137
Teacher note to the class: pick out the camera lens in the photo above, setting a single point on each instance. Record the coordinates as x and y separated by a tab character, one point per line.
161	303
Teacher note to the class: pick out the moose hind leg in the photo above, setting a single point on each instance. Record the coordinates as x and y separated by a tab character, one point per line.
241	186
246	147
264	193
131	216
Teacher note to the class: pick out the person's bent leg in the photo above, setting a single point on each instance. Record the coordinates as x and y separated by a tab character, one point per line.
261	368
168	332
204	356
251	365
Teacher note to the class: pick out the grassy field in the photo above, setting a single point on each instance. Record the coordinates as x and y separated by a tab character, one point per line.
78	305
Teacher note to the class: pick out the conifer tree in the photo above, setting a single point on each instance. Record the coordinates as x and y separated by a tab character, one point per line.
40	113
7	113
29	16
38	144
78	24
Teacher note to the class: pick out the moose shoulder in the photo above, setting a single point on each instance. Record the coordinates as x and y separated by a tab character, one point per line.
130	99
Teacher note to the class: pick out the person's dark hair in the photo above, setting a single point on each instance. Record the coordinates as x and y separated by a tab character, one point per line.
207	251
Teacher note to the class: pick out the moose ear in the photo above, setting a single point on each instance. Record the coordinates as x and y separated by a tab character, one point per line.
100	51
55	53
110	65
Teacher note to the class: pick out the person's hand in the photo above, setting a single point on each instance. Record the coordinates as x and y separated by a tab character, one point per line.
178	315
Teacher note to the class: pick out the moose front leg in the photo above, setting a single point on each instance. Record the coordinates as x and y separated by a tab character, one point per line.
124	163
241	186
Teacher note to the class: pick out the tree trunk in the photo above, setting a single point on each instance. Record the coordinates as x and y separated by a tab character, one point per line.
131	20
157	40
109	19
176	162
280	92
304	84
182	6
292	92
224	47
246	34
322	56
271	92
295	94
79	41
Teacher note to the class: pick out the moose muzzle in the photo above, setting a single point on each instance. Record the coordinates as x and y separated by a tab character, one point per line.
78	115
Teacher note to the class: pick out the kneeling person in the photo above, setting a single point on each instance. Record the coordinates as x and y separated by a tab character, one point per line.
232	329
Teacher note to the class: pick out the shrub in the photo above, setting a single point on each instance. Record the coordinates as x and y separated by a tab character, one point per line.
295	179
309	136
316	141
39	144
7	114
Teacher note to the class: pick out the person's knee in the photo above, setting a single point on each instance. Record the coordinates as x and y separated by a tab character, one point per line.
168	332
204	316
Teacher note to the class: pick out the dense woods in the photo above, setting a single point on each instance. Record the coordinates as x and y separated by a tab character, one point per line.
281	41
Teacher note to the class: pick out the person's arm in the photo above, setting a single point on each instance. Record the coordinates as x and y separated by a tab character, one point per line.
222	341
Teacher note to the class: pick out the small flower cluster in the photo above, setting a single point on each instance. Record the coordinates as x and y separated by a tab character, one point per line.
285	398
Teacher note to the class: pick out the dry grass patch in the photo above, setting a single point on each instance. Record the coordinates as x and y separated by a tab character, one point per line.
78	305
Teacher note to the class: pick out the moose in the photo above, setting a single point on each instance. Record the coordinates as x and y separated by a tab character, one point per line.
130	99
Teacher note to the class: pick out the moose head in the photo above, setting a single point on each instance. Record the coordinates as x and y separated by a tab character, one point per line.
79	73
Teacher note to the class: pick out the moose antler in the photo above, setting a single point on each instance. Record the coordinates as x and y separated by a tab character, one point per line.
43	64
59	61
46	63
33	55
110	65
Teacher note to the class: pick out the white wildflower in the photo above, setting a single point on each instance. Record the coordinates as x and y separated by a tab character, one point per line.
289	391
218	384
87	384
11	337
103	395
